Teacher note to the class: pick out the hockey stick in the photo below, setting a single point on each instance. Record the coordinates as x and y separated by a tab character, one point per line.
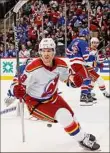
18	75
15	11
7	110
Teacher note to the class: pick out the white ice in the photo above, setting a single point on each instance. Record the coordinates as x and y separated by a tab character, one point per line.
40	138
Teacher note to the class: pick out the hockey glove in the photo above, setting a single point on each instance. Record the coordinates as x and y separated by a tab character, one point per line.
75	81
100	58
19	91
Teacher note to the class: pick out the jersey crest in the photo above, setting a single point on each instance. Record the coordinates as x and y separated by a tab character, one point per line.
50	87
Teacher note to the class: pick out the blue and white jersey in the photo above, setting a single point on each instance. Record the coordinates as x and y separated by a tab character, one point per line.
78	51
95	58
92	58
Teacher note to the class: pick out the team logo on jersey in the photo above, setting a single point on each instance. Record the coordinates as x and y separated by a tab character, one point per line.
75	48
50	87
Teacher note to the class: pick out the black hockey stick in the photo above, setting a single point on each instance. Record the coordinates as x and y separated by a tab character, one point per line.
8	110
18	75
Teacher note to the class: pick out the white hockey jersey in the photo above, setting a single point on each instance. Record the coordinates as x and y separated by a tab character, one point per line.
42	81
92	58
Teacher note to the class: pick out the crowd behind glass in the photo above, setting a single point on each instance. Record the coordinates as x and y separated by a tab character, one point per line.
29	26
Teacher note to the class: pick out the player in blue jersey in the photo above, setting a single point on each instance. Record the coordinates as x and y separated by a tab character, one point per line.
10	97
78	53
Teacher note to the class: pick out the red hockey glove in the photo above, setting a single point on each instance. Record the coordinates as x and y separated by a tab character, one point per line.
101	58
19	91
76	80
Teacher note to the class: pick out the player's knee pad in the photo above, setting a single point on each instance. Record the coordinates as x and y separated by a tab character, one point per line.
64	117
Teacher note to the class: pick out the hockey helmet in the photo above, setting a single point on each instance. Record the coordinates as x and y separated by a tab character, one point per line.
47	43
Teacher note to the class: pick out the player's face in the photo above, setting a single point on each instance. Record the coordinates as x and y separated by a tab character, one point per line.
95	44
47	55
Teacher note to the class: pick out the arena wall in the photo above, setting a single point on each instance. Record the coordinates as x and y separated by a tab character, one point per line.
8	68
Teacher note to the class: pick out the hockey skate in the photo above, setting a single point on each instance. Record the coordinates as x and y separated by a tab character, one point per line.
93	98
86	100
89	142
106	94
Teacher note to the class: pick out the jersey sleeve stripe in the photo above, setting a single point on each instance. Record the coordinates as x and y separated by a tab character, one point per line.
62	66
32	69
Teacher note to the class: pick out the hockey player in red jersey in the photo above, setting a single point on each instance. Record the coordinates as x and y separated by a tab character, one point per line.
39	91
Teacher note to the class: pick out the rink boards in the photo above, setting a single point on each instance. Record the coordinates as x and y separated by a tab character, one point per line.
8	68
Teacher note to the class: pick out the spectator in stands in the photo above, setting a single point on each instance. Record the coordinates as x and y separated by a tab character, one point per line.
32	33
11	52
29	26
48	25
10	33
1	38
107	52
61	19
2	53
54	16
60	50
24	52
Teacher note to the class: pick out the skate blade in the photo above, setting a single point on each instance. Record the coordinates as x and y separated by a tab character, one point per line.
89	150
107	96
86	104
94	102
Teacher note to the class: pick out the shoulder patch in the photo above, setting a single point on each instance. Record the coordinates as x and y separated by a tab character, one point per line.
60	63
36	64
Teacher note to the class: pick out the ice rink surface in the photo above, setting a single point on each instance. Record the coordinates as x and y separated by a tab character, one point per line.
40	138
